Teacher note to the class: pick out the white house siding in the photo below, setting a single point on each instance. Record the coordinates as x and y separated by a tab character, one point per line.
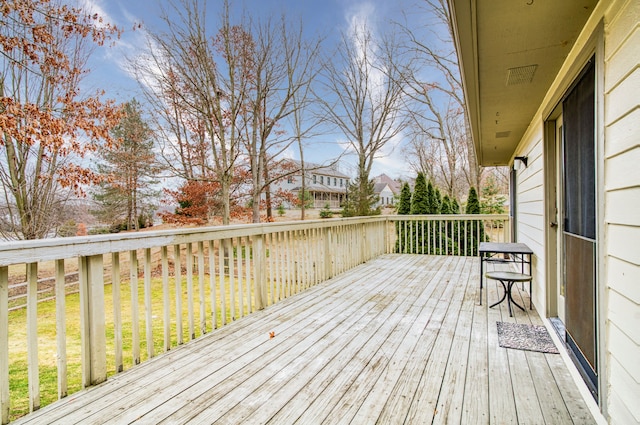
622	209
386	197
530	208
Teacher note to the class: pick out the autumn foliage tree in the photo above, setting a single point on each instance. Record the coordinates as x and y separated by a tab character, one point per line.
197	202
47	128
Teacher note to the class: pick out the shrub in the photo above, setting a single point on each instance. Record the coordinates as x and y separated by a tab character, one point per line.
326	212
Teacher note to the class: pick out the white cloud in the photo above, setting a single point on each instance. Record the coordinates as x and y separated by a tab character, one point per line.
360	17
94	6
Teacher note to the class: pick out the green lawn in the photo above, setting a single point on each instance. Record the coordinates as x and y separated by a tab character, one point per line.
18	385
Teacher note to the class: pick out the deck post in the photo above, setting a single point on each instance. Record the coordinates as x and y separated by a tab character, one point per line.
92	320
259	264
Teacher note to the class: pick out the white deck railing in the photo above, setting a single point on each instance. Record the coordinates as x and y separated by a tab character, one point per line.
186	283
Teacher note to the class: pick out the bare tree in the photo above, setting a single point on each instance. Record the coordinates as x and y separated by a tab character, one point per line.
438	149
284	67
204	79
303	124
366	79
438	107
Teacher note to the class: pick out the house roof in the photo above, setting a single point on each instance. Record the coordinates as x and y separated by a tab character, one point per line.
394	185
321	188
509	53
379	187
330	170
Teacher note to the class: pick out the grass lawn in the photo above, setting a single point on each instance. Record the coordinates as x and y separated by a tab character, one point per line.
47	355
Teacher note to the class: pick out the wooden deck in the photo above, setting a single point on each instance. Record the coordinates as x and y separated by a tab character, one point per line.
400	339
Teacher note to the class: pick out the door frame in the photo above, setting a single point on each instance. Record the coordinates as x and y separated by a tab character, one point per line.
594	46
553	194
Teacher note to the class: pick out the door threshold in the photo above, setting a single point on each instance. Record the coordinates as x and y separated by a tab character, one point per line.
558	325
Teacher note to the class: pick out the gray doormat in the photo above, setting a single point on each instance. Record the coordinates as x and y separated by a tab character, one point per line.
525	337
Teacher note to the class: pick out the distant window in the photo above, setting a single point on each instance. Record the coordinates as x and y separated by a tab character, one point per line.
314	178
289	179
321	179
335	181
340	182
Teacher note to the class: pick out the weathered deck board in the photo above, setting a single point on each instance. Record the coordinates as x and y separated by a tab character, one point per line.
401	339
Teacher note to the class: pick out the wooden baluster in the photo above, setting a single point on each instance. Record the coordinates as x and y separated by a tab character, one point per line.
221	277
148	307
190	307
135	320
32	336
277	255
287	263
117	311
61	329
328	260
304	259
269	239
166	299
212	285
239	259
247	267
294	258
177	272
201	293
232	281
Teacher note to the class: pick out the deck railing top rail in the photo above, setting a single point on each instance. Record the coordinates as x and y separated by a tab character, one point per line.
20	252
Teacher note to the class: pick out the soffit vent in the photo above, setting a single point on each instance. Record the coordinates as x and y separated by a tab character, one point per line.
502	134
520	75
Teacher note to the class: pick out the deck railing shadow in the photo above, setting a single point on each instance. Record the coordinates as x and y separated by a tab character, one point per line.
138	294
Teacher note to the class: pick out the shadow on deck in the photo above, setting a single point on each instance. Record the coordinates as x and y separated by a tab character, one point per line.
400	339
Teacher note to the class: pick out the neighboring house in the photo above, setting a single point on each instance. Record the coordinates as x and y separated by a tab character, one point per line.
384	194
326	185
553	87
386	189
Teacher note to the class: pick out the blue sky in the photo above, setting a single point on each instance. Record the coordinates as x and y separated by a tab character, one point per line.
324	17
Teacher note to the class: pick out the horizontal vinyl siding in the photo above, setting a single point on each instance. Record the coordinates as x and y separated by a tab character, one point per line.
627	390
621	136
629	197
623	171
622	209
530	210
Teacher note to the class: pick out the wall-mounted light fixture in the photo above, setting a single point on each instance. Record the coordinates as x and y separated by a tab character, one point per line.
520	160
